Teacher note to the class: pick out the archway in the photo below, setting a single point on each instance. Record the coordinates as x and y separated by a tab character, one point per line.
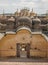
24	35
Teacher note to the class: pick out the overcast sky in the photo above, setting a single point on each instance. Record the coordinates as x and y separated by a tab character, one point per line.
10	6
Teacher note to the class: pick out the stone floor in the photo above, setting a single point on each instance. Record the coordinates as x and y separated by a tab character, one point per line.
14	59
22	63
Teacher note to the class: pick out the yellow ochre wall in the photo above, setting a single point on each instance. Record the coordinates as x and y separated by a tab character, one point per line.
39	46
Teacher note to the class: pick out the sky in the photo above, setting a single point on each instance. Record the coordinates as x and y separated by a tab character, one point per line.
10	6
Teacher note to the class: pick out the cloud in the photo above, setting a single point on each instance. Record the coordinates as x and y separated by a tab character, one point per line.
24	4
44	0
4	4
11	5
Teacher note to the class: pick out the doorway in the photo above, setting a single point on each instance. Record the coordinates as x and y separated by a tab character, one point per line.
23	50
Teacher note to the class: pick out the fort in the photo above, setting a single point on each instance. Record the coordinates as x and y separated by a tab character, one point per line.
23	34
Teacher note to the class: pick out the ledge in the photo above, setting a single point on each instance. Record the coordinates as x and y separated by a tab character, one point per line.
41	34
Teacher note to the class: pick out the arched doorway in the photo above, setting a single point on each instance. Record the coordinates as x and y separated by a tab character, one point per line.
23	44
23	50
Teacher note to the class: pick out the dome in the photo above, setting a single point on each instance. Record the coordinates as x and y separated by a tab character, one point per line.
24	19
11	19
36	20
